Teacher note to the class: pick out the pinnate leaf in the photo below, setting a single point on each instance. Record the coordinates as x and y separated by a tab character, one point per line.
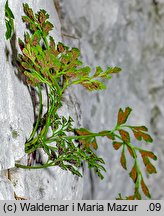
28	11
9	17
93	85
145	189
42	16
124	135
88	141
47	27
123	115
82	131
123	159
140	128
131	151
139	135
8	11
151	168
98	71
117	145
94	144
133	173
75	52
148	154
113	70
60	47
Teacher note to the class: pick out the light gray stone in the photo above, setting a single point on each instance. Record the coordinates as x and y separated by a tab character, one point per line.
17	117
128	34
46	184
6	189
51	183
16	110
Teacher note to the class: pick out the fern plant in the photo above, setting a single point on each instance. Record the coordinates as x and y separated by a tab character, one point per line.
46	64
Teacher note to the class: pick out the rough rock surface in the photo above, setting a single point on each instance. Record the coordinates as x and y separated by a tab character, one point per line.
128	34
17	117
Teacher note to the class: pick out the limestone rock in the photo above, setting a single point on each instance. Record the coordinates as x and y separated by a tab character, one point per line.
6	189
128	34
17	118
